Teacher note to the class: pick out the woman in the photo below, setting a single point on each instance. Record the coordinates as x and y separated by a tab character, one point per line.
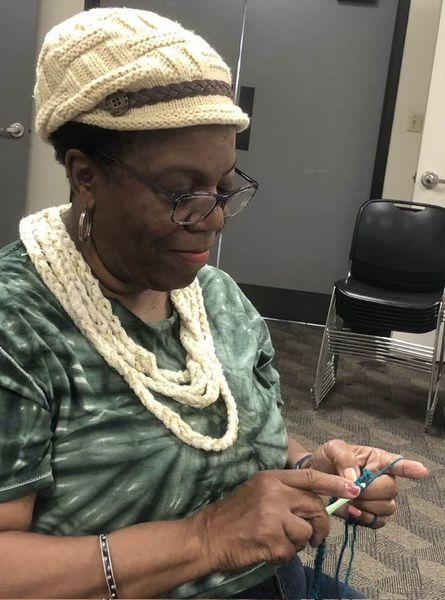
143	453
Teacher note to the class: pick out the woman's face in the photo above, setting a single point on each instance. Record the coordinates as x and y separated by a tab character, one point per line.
132	230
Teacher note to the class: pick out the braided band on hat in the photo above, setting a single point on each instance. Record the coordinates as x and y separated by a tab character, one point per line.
118	103
128	69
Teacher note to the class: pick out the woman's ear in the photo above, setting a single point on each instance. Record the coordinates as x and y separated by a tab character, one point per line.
81	172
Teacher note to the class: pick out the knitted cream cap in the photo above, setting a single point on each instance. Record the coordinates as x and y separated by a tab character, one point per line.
122	68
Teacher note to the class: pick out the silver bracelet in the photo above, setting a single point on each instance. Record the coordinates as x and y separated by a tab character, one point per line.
108	567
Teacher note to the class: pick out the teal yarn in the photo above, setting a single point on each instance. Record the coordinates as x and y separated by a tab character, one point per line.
344	585
366	477
318	571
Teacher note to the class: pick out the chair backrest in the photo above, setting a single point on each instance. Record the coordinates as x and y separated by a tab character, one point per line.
400	246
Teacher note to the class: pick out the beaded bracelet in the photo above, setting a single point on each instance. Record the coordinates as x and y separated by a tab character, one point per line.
108	568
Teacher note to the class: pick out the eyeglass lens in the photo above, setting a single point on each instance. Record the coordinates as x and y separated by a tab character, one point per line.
194	208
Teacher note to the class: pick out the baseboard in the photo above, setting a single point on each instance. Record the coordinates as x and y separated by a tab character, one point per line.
288	305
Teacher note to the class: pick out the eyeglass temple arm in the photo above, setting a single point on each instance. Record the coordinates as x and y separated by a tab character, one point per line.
138	175
171	196
249	179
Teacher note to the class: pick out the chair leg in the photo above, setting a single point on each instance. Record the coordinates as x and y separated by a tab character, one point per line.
327	361
335	363
436	372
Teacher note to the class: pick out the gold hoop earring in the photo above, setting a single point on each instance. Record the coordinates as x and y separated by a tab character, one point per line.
85	224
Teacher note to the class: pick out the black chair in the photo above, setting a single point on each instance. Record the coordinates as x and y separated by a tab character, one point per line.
396	283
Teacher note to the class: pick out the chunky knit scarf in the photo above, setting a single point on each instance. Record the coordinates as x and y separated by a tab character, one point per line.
67	275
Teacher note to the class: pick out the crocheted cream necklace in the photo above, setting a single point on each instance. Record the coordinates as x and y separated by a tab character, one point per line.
65	272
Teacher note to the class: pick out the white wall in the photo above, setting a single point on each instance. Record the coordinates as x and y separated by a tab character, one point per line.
47	184
432	152
412	96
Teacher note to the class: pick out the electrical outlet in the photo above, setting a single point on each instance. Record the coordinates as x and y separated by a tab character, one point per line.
415	122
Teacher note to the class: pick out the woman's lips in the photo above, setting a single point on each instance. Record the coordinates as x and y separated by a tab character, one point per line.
194	257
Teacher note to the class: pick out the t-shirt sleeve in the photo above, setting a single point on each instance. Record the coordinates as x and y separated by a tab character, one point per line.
264	369
25	432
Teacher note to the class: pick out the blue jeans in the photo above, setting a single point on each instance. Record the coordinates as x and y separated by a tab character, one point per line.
293	582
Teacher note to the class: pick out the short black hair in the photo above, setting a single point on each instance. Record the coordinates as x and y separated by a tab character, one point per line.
90	139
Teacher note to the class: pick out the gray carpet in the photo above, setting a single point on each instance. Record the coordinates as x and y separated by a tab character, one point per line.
382	406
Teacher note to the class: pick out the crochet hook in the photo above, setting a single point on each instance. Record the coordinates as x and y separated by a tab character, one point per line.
369	476
331	508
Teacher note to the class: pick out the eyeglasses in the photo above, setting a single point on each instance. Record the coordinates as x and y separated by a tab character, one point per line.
191	207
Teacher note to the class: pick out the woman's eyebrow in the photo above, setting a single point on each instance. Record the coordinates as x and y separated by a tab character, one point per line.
190	170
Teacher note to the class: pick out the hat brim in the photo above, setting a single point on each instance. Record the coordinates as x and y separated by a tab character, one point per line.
208	110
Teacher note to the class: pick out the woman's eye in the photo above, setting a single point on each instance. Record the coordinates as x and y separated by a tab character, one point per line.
179	190
177	185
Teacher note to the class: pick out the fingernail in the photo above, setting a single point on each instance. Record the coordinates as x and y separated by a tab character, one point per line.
421	465
352	488
355	512
351	474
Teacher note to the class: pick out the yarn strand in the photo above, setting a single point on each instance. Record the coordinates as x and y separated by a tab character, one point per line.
366	478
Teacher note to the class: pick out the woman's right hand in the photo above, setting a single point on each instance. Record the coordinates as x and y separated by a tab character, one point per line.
270	517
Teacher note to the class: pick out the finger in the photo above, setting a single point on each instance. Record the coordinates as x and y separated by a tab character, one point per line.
382	488
343	458
382	508
303	503
353	511
320	483
379	459
348	510
410	469
298	531
320	528
372	521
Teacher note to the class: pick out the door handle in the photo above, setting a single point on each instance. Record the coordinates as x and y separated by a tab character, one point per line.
15	130
430	179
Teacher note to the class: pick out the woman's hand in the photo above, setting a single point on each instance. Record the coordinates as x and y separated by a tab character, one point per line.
376	503
270	517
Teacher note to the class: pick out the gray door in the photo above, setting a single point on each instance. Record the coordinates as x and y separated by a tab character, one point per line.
18	25
319	70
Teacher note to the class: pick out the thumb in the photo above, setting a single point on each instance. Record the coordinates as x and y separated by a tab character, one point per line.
343	458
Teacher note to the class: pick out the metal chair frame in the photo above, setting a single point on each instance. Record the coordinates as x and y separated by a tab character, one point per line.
338	341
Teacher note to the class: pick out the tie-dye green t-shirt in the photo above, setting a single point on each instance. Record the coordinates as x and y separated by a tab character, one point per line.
73	432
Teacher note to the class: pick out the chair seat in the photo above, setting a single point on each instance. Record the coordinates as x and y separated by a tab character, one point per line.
353	289
375	309
366	307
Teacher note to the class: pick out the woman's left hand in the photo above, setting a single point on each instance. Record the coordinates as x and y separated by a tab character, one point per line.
376	503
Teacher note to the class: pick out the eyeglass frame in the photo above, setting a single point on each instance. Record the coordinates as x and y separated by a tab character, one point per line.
176	197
